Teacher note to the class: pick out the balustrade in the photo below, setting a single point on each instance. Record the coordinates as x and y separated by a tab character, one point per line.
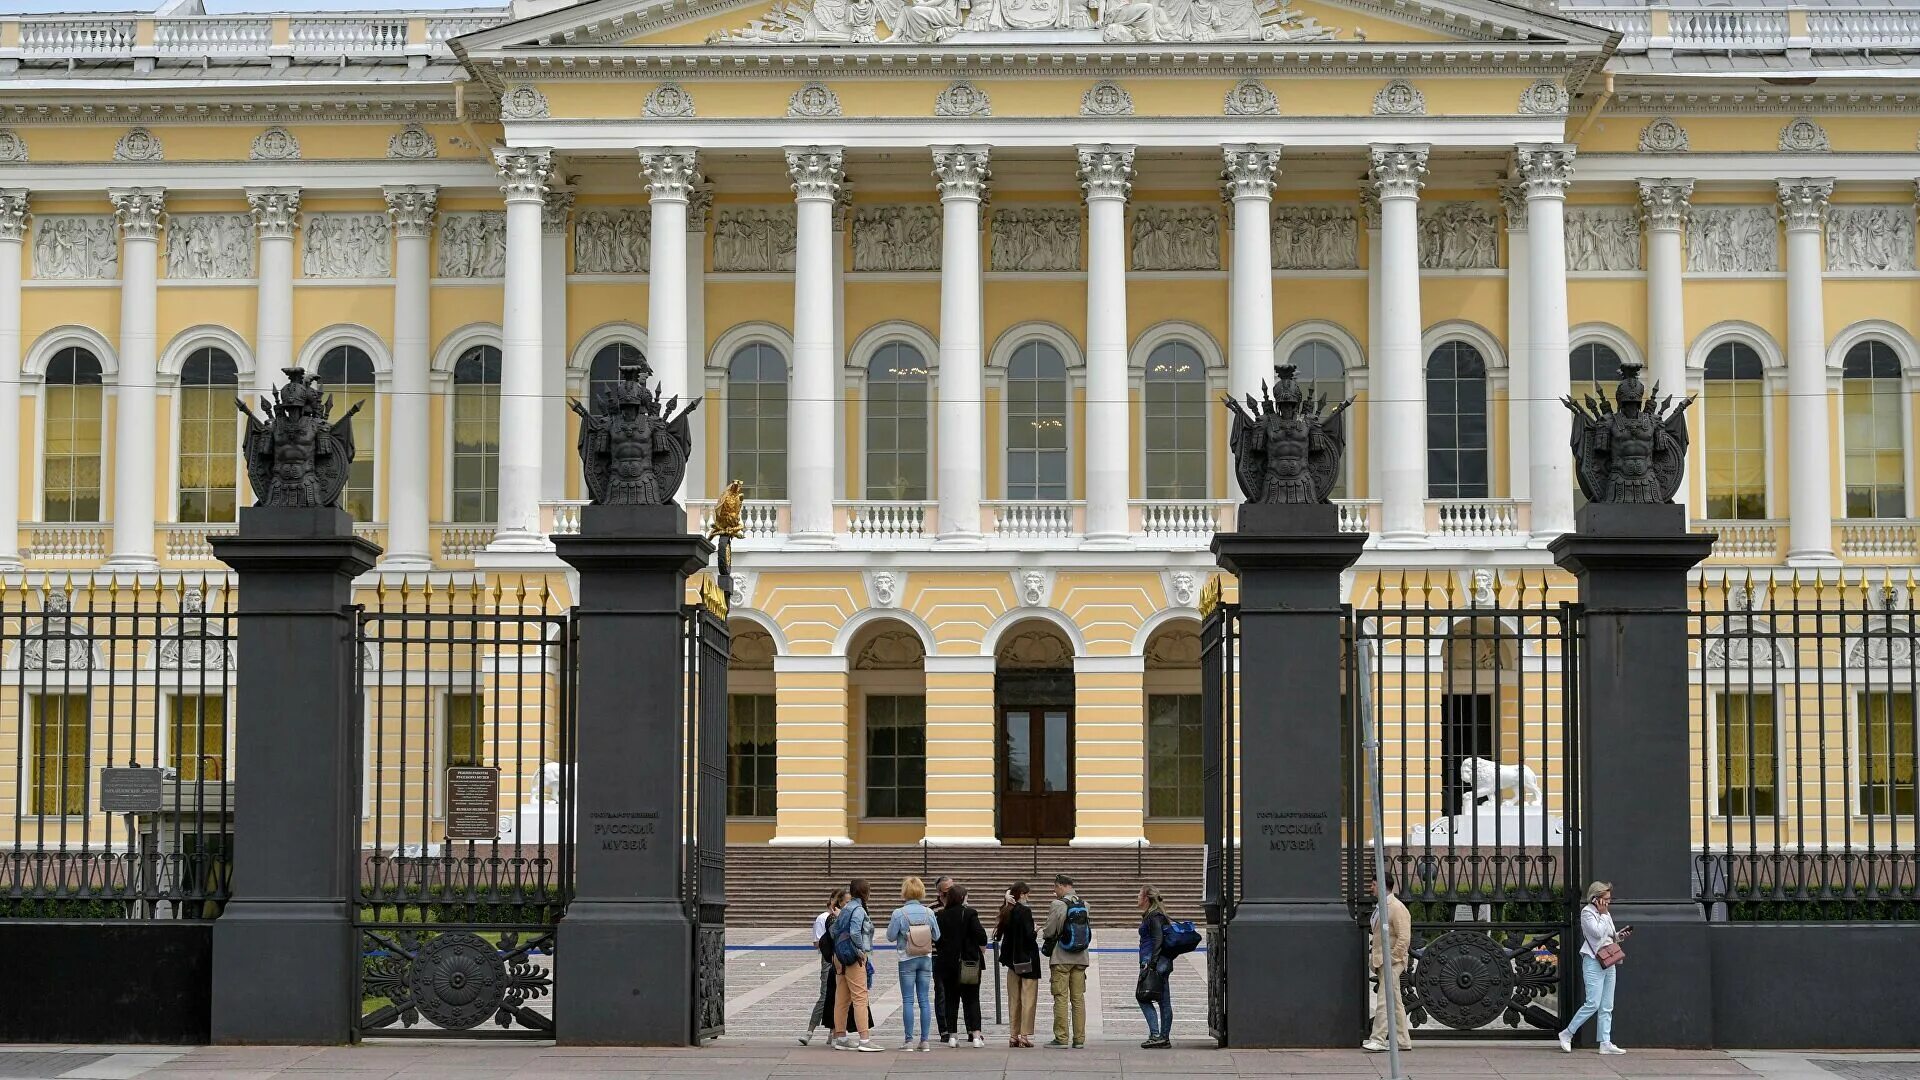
1743	539
213	37
187	542
1476	520
1863	28
334	36
77	38
1879	540
1181	521
1357	515
1020	519
1634	24
462	541
1729	28
66	543
886	522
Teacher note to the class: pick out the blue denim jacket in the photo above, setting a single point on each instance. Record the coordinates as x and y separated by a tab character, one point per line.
911	913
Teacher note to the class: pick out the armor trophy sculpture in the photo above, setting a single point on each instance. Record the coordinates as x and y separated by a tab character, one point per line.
1632	452
633	450
1287	445
295	456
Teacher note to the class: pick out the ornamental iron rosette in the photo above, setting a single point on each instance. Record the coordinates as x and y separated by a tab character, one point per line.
1468	979
455	980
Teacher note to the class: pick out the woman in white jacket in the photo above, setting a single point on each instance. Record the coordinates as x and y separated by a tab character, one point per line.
1596	932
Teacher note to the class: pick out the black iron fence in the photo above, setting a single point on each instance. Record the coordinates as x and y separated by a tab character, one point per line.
1804	744
119	707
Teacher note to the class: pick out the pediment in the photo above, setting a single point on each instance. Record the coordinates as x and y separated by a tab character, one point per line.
997	25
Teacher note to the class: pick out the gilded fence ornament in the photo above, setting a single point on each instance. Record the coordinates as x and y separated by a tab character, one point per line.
296	456
1632	452
1287	444
633	448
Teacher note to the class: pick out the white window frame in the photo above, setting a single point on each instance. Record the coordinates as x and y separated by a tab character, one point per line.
998	361
1773	366
720	363
368	342
33	378
1213	364
172	360
854	379
1907	351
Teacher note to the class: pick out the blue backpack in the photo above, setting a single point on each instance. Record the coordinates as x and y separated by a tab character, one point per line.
844	949
1179	939
1077	934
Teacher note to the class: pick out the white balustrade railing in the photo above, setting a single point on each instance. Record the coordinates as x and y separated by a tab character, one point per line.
873	521
66	543
1038	519
1476	520
760	517
348	36
213	36
1634	24
187	542
563	518
1863	28
1743	539
1756	29
1879	539
463	541
68	37
439	30
1181	521
1356	515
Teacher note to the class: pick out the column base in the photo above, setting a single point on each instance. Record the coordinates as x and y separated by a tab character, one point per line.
1813	559
809	841
396	563
283	974
1107	542
623	975
519	540
810	540
1409	541
532	560
1109	842
131	564
1269	1002
11	564
960	541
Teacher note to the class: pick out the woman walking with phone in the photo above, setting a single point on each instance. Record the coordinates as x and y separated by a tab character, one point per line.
957	963
1600	957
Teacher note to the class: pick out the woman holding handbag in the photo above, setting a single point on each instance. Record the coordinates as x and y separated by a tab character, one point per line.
957	961
1600	958
1154	990
823	941
1019	950
913	928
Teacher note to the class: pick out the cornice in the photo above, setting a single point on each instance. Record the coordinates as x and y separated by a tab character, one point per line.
120	111
1688	102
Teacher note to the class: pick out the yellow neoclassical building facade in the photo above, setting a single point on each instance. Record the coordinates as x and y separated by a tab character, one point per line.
959	286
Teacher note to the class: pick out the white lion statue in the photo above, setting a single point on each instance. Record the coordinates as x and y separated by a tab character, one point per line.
1489	779
546	788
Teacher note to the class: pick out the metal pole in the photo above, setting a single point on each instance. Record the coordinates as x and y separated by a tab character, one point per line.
1371	744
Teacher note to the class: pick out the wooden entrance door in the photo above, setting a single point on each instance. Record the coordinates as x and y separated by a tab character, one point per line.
1036	772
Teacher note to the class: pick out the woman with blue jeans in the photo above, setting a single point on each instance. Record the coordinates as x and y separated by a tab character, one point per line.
1155	989
914	929
1596	931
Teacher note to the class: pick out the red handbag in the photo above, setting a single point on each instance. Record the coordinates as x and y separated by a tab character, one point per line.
1610	954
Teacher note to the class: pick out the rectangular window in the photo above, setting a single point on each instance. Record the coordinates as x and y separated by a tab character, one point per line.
209	453
1736	450
71	460
1745	749
1876	459
750	755
896	755
1886	748
1173	756
58	754
466	740
476	451
197	736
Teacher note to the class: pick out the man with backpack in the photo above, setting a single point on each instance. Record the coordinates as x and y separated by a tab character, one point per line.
1066	939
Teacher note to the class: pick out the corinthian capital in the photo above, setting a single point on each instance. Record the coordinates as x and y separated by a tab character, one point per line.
13	214
555	209
1369	204
1396	171
699	205
524	173
411	209
1666	202
141	212
276	211
1545	168
671	171
960	172
815	171
1106	171
1249	172
1513	198
1803	202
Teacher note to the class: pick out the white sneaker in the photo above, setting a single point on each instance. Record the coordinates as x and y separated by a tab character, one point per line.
978	1041
866	1046
807	1038
842	1043
1566	1042
1609	1048
1374	1046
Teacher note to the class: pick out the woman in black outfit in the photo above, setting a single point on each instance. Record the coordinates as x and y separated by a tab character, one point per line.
962	941
1019	951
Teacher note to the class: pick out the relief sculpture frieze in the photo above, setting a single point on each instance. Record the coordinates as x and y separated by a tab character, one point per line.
347	246
473	245
1176	238
1870	238
1733	240
929	22
612	240
75	246
1315	238
754	239
896	238
209	246
1029	238
1458	236
1603	238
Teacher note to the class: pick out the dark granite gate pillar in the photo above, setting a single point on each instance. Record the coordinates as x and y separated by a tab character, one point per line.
1296	955
284	949
1632	562
625	956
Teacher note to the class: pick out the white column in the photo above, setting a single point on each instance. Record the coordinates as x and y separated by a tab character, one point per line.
555	215
671	173
13	233
276	212
699	205
961	175
1370	216
1106	176
142	213
1513	195
842	210
409	446
1665	202
1250	169
1399	386
524	176
812	439
1545	169
1803	204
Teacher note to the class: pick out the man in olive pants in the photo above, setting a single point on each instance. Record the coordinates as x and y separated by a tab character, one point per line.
1068	967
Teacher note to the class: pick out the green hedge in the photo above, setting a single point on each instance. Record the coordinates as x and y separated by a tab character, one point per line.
63	907
417	905
1743	906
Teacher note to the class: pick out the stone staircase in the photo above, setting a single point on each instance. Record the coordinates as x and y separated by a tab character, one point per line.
784	886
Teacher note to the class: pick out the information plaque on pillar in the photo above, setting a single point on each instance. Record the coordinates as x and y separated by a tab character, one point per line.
473	803
130	790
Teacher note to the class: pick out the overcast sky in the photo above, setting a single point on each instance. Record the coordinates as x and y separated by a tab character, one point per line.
236	7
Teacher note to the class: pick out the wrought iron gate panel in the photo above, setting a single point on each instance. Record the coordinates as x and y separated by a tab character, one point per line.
1219	710
466	711
1475	701
708	643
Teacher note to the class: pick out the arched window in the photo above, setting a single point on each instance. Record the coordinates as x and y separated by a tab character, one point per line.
476	435
1176	423
605	368
71	460
1593	367
897	423
346	371
1036	422
1320	370
1736	433
757	420
209	437
1456	422
1870	398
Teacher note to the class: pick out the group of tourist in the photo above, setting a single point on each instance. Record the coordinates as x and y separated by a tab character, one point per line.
942	951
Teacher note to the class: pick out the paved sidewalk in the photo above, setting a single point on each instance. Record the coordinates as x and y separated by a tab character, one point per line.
767	1059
